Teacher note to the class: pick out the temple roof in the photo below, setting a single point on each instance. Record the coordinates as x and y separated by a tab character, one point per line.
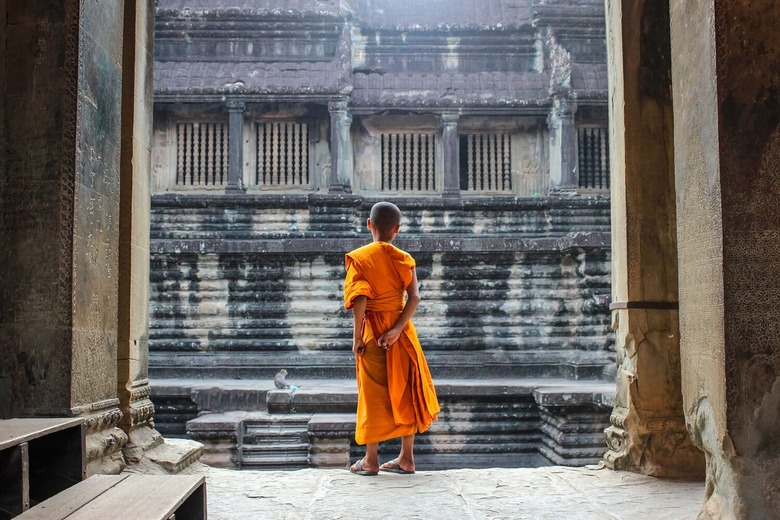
198	77
169	7
450	89
434	53
444	13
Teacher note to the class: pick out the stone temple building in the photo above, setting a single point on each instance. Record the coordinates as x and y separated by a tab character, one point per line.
694	143
278	123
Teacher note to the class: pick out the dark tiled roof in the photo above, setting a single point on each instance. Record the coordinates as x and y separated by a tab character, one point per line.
452	89
438	13
589	80
195	77
247	6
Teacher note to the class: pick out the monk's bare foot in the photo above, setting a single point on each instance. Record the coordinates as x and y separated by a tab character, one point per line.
361	467
398	466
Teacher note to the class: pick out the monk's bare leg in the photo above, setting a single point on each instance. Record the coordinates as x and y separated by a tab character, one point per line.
406	459
370	461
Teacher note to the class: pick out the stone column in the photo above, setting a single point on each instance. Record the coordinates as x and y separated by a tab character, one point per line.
340	147
134	210
727	152
235	182
59	217
451	147
563	146
647	432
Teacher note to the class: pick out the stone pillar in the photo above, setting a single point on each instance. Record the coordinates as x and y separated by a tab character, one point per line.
563	146
235	182
451	146
59	223
647	432
134	210
727	152
340	147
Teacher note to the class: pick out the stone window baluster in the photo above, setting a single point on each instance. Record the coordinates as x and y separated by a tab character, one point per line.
415	180
396	162
210	177
507	169
407	162
305	153
431	184
203	156
180	143
470	155
275	145
269	154
290	153
295	175
225	154
493	171
481	162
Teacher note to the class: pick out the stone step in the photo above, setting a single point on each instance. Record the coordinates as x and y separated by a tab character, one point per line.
456	364
500	422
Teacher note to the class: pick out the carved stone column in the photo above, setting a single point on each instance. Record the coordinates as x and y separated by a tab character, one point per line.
59	229
647	432
340	147
451	146
563	146
235	182
134	210
727	152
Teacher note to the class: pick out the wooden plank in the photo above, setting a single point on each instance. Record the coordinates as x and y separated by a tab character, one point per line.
17	431
14	481
74	498
145	497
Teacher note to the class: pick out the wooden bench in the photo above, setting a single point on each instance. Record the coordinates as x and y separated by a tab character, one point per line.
38	459
137	497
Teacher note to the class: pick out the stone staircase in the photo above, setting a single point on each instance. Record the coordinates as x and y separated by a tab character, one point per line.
502	423
274	441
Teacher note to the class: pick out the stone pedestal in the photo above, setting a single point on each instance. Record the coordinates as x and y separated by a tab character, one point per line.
59	200
647	432
727	151
340	147
451	147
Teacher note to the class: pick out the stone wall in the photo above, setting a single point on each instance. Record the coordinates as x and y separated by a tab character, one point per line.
241	287
59	217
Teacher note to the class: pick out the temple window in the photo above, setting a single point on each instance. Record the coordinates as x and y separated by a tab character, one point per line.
202	154
282	154
593	157
408	162
486	162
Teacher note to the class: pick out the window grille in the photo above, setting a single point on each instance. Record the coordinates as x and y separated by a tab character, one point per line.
408	162
486	162
202	154
282	154
593	157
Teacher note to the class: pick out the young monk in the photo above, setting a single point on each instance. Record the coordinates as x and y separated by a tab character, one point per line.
396	397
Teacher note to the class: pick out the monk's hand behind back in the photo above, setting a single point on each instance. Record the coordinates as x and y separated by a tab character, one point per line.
358	347
387	339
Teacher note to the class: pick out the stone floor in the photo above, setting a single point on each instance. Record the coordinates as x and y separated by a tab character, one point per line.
539	493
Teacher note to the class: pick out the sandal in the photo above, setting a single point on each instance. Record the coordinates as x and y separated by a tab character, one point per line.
357	469
392	466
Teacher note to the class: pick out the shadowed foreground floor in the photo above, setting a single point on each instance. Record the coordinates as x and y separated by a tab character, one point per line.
545	493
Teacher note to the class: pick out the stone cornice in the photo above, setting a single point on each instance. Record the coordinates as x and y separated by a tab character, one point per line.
411	243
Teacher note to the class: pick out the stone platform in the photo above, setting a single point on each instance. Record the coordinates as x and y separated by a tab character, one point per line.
551	492
483	423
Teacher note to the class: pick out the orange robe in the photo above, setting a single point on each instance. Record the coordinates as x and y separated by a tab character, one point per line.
396	396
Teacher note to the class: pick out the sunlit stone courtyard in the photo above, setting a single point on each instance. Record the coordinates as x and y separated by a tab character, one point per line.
552	492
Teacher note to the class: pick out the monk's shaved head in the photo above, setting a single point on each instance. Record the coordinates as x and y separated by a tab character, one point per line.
385	216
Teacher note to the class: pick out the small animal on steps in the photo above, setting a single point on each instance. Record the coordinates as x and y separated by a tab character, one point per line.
280	380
